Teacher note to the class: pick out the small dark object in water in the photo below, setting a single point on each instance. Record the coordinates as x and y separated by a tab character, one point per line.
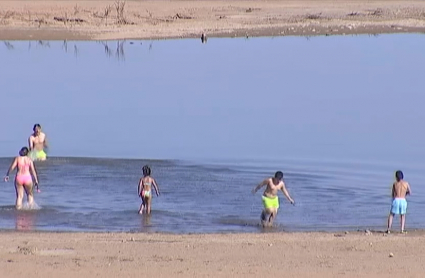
203	38
353	14
179	16
63	19
314	16
377	12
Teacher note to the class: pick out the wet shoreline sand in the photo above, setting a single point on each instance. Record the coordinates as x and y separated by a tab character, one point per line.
46	254
101	20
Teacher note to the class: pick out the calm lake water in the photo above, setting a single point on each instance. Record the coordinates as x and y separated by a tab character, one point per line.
338	115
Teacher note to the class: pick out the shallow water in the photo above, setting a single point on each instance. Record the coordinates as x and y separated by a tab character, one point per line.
337	114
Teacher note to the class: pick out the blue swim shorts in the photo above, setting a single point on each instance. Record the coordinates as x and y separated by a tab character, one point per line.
399	206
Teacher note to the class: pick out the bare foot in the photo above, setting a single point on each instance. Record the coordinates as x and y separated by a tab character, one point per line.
266	224
264	221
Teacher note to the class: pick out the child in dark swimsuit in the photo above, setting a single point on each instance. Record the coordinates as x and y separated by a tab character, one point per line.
144	190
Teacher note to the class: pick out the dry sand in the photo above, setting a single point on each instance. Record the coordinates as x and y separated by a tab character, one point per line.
113	255
100	20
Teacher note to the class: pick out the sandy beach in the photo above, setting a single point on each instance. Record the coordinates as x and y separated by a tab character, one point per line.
104	20
357	254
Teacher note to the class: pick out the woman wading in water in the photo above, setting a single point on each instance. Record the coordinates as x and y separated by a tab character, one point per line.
23	178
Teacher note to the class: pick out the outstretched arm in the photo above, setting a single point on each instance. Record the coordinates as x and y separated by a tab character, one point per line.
30	143
34	173
45	142
156	187
263	183
409	191
393	191
11	168
286	193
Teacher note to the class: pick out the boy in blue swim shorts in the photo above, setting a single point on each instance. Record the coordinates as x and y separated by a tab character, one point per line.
400	189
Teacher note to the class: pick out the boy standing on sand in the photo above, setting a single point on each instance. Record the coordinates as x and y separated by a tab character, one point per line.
400	189
270	199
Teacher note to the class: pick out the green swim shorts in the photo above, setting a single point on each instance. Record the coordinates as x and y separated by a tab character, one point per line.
270	202
38	155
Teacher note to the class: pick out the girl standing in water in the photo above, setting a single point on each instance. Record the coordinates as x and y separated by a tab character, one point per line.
145	190
23	178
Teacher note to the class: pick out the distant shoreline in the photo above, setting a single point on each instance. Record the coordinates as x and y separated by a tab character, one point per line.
100	20
111	255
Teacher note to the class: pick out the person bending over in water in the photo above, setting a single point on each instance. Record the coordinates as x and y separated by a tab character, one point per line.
37	142
400	189
145	190
270	199
23	179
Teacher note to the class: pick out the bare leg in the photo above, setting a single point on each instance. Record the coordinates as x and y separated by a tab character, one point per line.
267	217
402	221
263	218
142	207
19	195
390	222
272	217
148	205
30	195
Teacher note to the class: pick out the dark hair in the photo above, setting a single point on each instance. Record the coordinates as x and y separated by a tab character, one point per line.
278	175
36	125
146	170
399	175
24	151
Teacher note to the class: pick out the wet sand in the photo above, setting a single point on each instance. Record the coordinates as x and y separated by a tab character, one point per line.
357	254
103	20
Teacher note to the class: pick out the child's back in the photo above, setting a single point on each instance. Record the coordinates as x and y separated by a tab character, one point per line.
399	204
147	183
400	189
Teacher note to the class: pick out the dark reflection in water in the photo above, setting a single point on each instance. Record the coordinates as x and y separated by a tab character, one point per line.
112	49
117	48
9	45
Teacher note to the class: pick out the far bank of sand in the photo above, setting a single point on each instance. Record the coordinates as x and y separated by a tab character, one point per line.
103	20
110	255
